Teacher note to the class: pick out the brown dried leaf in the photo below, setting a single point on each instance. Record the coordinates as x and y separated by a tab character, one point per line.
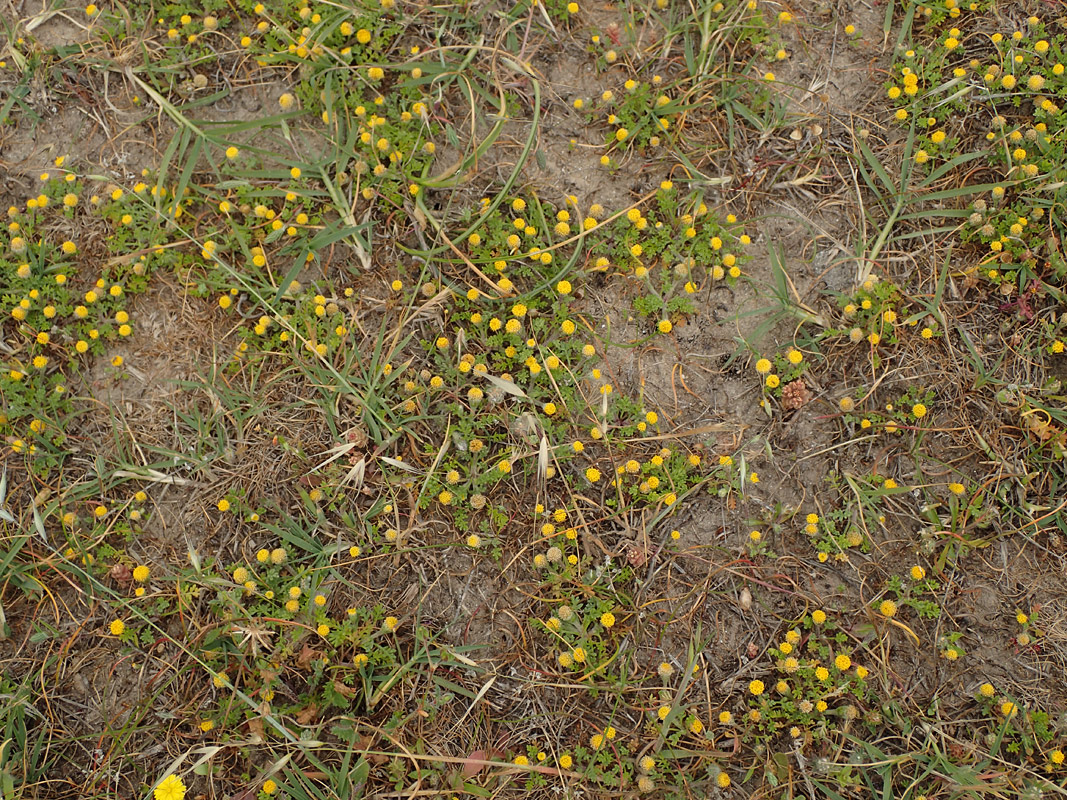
306	716
307	655
471	767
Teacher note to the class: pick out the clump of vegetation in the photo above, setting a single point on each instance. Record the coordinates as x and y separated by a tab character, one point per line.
352	448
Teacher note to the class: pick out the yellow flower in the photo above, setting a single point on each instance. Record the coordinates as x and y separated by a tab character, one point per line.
664	326
170	788
607	619
842	662
117	627
887	608
917	573
818	617
756	687
763	366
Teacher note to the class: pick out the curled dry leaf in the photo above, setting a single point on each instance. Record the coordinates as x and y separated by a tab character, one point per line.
745	600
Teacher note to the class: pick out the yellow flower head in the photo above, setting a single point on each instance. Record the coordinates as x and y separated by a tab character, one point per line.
170	788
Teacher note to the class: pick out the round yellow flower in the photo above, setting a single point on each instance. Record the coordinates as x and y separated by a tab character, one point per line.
756	687
170	788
